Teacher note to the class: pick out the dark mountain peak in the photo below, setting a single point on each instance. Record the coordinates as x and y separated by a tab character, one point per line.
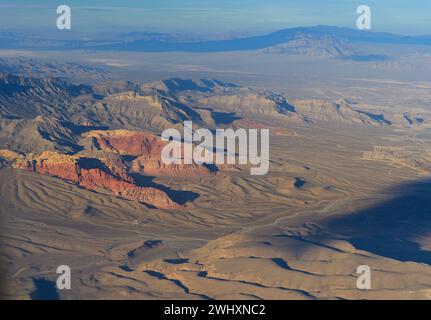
175	85
27	97
44	68
11	84
282	105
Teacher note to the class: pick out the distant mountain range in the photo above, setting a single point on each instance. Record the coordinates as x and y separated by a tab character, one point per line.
296	40
336	34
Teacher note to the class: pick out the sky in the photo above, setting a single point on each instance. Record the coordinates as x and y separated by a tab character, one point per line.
215	16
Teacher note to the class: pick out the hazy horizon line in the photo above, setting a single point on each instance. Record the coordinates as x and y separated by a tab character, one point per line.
242	33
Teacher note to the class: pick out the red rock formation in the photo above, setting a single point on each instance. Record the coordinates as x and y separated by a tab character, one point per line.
117	167
51	163
127	142
148	148
92	177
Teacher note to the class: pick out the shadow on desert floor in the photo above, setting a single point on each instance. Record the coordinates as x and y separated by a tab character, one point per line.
44	290
179	196
393	228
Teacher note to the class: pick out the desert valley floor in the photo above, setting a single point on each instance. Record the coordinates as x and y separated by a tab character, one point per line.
245	237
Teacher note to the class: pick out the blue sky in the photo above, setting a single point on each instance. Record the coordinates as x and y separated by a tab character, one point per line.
215	16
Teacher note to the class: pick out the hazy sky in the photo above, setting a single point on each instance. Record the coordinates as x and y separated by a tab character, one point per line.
215	16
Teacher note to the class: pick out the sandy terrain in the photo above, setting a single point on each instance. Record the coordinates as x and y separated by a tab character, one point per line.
298	233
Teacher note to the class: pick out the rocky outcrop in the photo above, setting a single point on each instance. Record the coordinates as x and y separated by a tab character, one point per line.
93	174
341	111
9	154
415	158
156	167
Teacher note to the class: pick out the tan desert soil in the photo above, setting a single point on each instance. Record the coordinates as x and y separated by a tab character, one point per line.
299	232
